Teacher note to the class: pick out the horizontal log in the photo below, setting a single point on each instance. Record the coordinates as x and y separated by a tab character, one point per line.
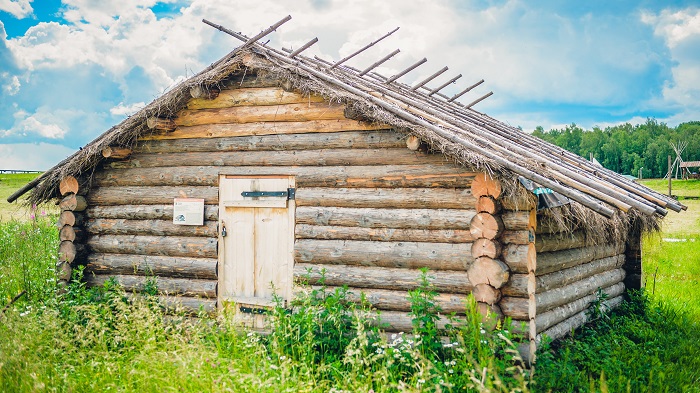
187	305
251	97
321	157
136	195
195	247
105	226
421	198
381	277
519	220
517	237
517	307
144	212
518	285
550	318
254	114
385	218
388	300
167	286
307	176
73	202
306	231
435	256
71	218
548	262
488	271
263	128
333	140
120	264
116	152
160	124
68	185
485	225
72	234
400	321
520	257
574	322
485	185
564	241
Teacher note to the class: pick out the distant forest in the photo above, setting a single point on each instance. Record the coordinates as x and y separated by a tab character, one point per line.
626	148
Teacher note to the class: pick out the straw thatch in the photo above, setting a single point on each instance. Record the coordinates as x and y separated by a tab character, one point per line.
469	137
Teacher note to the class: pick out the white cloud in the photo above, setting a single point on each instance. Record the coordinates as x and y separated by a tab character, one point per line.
32	156
41	124
126	110
18	8
12	87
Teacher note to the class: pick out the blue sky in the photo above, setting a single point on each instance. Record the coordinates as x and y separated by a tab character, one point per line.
71	69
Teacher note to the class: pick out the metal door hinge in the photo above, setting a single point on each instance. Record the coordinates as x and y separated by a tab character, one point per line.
289	194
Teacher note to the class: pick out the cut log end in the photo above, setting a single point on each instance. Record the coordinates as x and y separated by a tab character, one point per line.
68	185
413	143
486	248
160	124
485	185
116	152
204	92
486	204
488	271
73	202
485	225
485	293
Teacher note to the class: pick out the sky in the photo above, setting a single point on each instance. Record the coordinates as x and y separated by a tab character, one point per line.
71	69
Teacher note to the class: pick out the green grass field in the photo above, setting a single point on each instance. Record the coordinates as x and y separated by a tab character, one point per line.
9	183
98	340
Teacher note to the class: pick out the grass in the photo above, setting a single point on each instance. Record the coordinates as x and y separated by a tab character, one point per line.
98	340
9	183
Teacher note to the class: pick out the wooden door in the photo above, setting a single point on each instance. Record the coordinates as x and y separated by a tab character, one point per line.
256	257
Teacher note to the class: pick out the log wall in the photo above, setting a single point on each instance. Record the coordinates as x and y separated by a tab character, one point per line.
370	212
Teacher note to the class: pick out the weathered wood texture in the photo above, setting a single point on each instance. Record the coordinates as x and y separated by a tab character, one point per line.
195	247
484	225
577	320
168	286
72	202
333	140
518	284
307	231
389	300
412	255
144	212
116	152
520	257
485	185
321	157
486	248
550	318
517	237
104	226
417	198
558	242
68	184
486	204
268	113
122	264
548	262
72	234
486	293
633	262
250	97
516	307
118	196
68	217
70	252
519	220
488	271
385	218
331	176
381	277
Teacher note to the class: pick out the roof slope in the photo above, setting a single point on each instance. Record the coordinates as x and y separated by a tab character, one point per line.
470	137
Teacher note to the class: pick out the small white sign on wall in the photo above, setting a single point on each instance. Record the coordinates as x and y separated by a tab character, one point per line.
188	211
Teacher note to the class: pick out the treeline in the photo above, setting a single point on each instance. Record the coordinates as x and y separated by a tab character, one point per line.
626	148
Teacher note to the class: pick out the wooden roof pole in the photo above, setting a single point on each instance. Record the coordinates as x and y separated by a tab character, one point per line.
304	47
581	198
407	70
379	62
343	60
428	79
465	91
435	90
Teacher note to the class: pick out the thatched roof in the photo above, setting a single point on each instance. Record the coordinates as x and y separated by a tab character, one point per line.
470	137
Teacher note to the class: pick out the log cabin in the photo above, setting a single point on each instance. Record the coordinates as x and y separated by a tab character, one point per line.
269	167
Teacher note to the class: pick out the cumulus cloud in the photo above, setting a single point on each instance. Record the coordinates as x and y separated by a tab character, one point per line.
126	110
18	8
13	85
32	156
40	124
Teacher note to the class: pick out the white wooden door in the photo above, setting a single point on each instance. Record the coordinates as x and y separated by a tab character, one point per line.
256	258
